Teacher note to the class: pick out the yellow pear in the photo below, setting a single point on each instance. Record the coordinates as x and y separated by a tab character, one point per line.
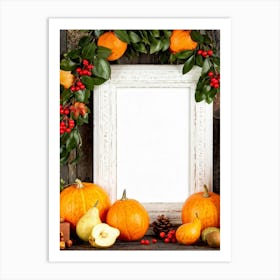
103	236
87	222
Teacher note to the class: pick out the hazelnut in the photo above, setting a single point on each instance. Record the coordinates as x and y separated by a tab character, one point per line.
69	243
62	245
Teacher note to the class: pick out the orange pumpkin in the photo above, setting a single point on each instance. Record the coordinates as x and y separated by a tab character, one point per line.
189	233
181	40
76	199
130	217
206	204
111	41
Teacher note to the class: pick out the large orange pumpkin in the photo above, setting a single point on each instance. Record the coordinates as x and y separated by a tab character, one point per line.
206	204
181	40
111	41
76	199
130	217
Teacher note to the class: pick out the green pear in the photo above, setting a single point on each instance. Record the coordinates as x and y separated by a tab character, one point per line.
87	222
103	236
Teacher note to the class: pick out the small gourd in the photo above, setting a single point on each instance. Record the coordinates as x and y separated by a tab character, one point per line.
189	233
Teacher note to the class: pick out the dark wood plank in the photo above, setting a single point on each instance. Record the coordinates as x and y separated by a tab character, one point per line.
136	245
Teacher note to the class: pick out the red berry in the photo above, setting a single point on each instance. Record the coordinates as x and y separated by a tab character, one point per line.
62	131
143	241
77	88
210	52
79	83
61	111
216	85
166	240
82	87
84	72
78	69
199	52
162	234
66	111
173	240
68	129
85	62
210	74
204	54
90	66
72	88
147	242
89	73
154	240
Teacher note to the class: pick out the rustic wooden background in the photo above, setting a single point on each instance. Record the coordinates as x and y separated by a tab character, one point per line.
84	168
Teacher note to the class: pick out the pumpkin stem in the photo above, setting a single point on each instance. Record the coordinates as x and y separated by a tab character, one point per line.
79	183
124	195
95	204
206	191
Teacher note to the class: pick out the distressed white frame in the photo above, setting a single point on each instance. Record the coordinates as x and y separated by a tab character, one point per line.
105	128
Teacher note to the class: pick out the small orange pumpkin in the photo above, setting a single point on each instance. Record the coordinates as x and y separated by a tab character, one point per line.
181	40
130	217
76	199
111	41
206	204
189	233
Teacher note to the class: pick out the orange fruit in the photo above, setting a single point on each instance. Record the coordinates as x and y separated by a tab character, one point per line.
111	41
66	78
180	40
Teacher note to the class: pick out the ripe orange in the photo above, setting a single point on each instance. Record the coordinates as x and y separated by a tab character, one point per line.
112	42
180	40
66	78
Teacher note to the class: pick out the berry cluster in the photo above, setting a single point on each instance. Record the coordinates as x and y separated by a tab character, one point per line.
205	53
147	242
84	71
214	79
67	124
169	237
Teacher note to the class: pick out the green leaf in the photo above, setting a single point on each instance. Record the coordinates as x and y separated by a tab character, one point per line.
206	39
155	33
88	82
134	37
74	54
145	37
66	95
103	52
188	65
167	33
165	44
199	96
155	46
216	60
206	66
122	35
196	36
140	47
172	58
80	95
98	81
71	142
199	60
88	51
84	41
184	54
102	68
67	64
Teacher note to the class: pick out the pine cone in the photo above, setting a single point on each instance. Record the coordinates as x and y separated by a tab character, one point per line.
162	224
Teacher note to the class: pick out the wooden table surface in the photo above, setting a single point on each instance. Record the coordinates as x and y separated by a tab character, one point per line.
136	245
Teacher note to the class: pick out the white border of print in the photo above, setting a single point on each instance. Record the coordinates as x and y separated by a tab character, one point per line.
224	254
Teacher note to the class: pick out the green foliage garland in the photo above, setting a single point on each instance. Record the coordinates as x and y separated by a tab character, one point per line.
89	65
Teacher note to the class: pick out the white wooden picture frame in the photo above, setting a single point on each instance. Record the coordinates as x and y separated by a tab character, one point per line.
165	78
